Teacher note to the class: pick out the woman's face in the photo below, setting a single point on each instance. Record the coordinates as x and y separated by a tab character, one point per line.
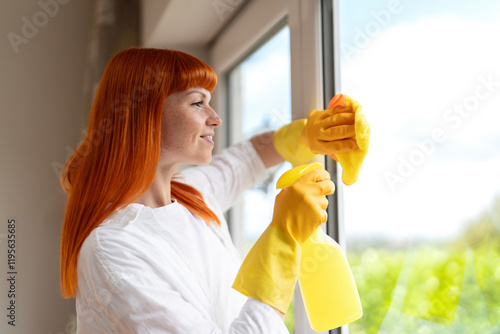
188	124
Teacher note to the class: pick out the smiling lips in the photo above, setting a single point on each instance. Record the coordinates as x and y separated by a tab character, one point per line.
208	138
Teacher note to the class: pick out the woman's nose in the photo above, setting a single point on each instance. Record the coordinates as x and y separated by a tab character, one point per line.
213	118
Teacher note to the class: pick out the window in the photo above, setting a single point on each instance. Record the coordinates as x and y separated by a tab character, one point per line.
259	101
422	223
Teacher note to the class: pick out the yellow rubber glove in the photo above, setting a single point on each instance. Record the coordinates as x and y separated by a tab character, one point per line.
351	160
331	131
288	143
270	270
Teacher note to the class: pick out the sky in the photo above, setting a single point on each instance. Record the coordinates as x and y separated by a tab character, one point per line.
428	79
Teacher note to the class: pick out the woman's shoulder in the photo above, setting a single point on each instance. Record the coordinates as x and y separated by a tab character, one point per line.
118	246
123	217
115	233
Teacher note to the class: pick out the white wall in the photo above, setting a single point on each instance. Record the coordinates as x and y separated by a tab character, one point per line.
41	114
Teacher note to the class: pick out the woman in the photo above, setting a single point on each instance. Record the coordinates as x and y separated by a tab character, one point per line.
146	250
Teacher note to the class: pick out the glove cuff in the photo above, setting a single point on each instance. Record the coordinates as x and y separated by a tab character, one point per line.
269	272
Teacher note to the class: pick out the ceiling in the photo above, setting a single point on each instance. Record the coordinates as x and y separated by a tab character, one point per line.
169	23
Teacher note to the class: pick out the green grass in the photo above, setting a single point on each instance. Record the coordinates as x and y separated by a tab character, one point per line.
432	287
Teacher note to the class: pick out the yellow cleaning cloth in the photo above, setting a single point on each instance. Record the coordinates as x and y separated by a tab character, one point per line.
351	161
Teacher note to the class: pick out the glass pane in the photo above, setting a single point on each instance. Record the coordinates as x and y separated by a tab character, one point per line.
423	220
260	100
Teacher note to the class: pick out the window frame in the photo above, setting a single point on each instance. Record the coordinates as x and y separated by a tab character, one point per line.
331	87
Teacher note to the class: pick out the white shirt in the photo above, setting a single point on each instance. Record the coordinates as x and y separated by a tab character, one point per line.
164	270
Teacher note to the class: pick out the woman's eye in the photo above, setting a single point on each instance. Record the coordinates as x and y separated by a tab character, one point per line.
198	104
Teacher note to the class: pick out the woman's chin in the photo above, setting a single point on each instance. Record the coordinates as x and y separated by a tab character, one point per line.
207	160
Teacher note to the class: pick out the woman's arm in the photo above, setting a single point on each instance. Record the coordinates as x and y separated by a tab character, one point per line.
264	146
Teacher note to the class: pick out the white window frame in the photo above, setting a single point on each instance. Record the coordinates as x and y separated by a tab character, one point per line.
246	31
251	25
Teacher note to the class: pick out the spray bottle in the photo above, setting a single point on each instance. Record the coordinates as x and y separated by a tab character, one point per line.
330	295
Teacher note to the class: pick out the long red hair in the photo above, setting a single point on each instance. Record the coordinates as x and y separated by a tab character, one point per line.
116	162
